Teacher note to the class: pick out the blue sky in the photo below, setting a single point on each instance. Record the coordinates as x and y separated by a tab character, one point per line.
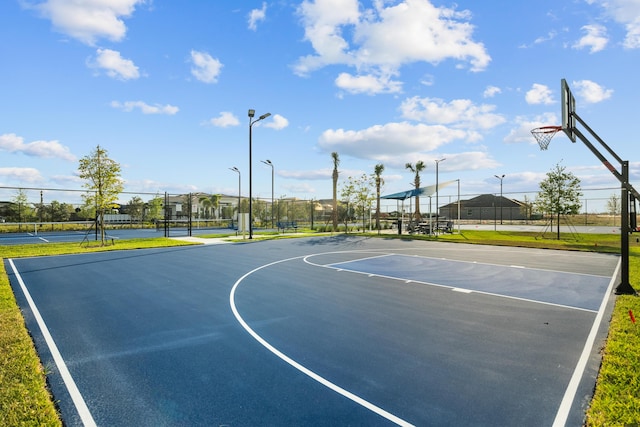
165	87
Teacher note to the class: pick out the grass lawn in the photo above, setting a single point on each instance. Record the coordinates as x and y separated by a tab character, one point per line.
25	400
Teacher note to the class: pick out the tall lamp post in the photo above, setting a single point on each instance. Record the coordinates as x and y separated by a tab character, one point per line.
500	177
235	169
437	205
268	162
251	123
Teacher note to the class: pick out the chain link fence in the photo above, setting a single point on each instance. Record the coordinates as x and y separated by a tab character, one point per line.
23	209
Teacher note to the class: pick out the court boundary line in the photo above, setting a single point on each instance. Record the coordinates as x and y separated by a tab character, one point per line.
70	384
311	374
461	261
572	388
453	288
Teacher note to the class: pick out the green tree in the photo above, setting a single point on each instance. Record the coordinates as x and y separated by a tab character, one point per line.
526	208
59	212
215	203
416	169
20	210
377	171
135	208
559	194
206	205
348	197
103	183
334	176
154	209
259	211
613	207
364	188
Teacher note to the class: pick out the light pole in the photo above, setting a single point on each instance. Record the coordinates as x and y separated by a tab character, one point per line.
500	177
251	123
437	206
235	169
268	162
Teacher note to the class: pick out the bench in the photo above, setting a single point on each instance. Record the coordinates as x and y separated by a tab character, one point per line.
287	225
425	227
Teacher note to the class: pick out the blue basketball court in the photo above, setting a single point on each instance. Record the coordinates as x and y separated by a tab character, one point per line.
319	331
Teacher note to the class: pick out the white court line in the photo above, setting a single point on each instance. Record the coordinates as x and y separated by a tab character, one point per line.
453	288
78	400
357	399
572	388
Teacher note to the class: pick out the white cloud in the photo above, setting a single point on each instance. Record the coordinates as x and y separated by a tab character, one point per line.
323	21
390	141
48	149
442	33
145	108
539	94
384	39
591	92
524	125
368	84
225	119
89	20
205	68
277	122
114	65
491	91
625	12
316	174
595	38
464	161
257	15
550	36
458	113
21	174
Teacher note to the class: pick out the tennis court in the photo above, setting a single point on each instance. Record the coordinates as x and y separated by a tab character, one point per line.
35	233
319	331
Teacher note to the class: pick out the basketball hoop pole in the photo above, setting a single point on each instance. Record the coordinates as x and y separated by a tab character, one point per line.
624	288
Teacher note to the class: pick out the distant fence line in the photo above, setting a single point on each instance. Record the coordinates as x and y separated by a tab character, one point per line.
56	204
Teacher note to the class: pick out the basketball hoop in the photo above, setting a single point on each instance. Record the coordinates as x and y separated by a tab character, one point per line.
544	134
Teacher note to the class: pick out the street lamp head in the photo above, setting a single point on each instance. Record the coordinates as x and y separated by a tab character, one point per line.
500	176
252	113
267	162
264	116
235	169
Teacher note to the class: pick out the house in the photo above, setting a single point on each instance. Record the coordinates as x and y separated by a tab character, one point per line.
486	207
177	206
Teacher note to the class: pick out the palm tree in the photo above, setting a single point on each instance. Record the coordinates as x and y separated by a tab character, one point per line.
419	167
215	203
210	204
379	168
206	205
336	162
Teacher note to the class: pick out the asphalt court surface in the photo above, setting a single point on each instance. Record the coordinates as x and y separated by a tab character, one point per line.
319	331
31	237
548	286
26	238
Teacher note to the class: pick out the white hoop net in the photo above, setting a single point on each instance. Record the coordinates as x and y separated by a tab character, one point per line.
544	135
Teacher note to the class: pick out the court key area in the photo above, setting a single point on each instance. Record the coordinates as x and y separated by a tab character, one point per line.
319	331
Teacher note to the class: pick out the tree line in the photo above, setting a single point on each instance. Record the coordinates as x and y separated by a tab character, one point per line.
559	196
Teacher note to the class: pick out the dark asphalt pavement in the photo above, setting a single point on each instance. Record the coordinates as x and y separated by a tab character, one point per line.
150	338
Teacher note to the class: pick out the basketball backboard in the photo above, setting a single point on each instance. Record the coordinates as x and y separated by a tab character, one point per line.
568	110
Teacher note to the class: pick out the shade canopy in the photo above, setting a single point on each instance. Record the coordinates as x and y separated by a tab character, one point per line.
422	191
